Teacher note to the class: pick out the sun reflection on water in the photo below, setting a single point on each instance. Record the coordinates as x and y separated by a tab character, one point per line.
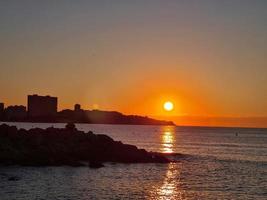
167	139
170	188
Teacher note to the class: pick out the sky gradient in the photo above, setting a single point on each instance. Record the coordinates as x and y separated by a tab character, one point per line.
208	57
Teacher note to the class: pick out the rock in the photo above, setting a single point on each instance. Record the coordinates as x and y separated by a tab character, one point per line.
67	146
105	139
95	164
70	126
13	178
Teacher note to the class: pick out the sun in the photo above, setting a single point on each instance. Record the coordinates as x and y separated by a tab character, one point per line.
168	106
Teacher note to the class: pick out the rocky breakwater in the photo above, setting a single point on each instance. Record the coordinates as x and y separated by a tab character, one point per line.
67	146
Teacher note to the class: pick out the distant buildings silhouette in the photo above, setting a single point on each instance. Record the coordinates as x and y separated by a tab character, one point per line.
44	109
77	107
13	113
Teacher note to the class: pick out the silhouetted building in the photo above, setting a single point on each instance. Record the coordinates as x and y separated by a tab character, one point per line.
42	106
1	107
15	113
1	110
79	114
77	107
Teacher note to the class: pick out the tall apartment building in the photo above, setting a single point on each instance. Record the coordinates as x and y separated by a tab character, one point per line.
41	106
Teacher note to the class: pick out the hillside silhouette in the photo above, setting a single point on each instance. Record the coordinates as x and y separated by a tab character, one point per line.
106	117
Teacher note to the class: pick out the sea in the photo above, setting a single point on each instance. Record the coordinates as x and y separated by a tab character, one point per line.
212	163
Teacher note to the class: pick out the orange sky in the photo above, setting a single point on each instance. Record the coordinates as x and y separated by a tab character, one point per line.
208	58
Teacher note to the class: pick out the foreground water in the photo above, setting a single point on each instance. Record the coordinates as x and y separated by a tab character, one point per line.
218	163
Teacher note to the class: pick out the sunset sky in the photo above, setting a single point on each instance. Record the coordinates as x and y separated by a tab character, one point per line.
207	57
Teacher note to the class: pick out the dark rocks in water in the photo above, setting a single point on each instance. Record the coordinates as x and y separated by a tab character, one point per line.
67	146
70	126
13	178
95	164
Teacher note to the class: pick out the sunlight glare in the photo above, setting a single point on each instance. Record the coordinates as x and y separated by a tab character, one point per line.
168	106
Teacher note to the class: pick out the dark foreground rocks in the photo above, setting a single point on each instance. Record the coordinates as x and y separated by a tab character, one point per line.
67	146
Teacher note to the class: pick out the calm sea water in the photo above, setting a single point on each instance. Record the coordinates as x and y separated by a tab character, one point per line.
218	163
